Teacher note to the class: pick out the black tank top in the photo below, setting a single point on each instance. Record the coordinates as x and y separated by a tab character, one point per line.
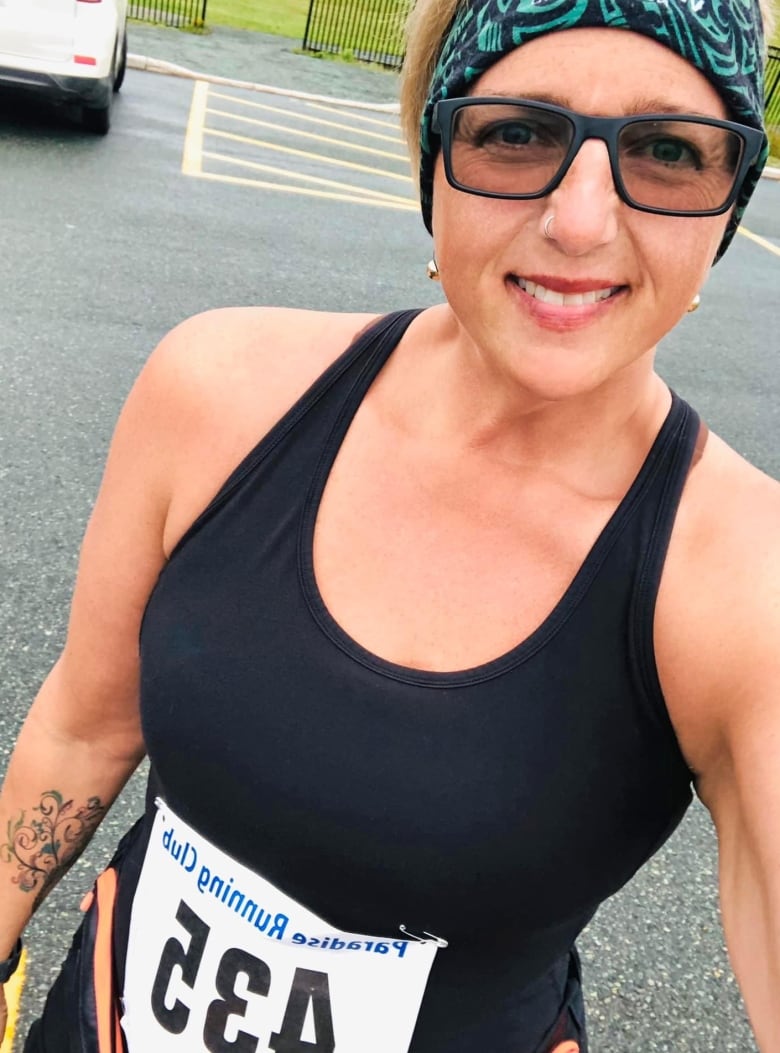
495	807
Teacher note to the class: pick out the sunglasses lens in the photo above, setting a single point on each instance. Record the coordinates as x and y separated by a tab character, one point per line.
504	148
681	166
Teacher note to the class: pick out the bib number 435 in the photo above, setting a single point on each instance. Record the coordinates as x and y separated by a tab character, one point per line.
309	995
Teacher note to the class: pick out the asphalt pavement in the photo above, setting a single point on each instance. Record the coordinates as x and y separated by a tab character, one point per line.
108	245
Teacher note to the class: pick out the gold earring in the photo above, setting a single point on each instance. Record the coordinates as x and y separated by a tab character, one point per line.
433	270
695	304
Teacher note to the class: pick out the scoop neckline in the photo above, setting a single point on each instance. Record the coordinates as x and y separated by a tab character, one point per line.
538	637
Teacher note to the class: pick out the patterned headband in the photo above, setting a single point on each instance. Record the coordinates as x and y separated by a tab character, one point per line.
721	38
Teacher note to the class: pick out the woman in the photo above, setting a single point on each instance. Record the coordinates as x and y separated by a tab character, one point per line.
432	674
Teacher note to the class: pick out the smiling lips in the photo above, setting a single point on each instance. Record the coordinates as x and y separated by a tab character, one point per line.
562	293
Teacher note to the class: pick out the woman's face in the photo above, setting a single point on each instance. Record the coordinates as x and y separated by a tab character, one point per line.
488	249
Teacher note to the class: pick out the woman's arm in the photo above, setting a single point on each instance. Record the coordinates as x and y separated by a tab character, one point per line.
717	641
727	713
82	738
743	795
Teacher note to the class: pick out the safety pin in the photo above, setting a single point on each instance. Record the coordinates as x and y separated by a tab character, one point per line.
438	940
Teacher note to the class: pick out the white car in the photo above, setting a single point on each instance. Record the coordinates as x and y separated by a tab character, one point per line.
69	50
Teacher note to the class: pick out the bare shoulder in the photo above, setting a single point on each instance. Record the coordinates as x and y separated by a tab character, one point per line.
729	507
222	379
718	616
730	519
216	353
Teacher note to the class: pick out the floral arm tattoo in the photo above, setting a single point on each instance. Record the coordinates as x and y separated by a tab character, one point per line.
46	845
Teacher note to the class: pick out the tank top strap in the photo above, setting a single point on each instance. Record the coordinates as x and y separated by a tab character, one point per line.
666	469
364	357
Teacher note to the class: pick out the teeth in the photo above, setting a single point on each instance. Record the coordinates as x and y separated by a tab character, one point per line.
539	292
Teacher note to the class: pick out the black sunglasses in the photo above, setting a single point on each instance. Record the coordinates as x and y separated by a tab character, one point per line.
668	164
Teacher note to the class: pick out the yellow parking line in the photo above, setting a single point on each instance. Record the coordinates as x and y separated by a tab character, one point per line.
309	135
305	191
13	996
193	139
353	116
305	153
257	167
763	242
306	117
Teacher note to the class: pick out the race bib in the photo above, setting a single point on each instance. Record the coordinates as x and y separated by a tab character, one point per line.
219	959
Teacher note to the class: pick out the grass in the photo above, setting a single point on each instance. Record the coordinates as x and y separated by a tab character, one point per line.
774	146
289	19
375	25
286	19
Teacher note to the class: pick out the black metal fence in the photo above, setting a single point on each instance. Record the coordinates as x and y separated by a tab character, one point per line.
369	30
773	89
182	13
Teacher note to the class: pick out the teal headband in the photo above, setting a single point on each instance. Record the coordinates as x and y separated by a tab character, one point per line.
722	38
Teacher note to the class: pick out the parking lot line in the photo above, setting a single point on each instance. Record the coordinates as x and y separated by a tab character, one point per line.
353	165
300	134
13	996
312	179
763	242
193	138
353	116
287	112
376	202
256	166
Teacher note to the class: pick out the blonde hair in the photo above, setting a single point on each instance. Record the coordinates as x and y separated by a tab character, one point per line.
426	29
769	15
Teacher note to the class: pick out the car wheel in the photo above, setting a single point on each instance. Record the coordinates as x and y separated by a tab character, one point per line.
120	70
97	121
